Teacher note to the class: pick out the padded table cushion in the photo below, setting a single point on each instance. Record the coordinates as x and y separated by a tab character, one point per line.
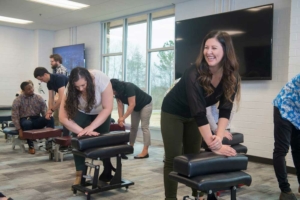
103	140
41	133
240	148
237	138
105	152
63	141
11	131
116	127
191	165
214	182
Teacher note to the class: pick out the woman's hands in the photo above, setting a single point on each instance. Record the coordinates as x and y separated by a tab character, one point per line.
48	114
121	121
216	143
225	150
87	131
217	147
228	135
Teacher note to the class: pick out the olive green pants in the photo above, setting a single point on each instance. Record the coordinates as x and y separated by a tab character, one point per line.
180	136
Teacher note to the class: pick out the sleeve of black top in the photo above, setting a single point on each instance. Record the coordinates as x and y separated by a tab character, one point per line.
130	90
225	106
195	97
49	86
60	82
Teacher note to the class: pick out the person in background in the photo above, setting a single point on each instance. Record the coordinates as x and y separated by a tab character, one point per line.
286	117
20	92
139	108
56	65
56	83
29	112
214	77
212	114
85	110
58	68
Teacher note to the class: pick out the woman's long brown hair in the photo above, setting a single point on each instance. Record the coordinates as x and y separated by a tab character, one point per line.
231	78
72	102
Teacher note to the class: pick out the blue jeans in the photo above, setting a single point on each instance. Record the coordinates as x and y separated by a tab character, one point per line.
35	122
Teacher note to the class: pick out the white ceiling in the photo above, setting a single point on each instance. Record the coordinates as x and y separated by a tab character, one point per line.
54	18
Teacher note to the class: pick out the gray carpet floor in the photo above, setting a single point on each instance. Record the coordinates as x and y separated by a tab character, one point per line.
34	177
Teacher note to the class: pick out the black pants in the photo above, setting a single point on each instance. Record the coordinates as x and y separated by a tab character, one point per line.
285	134
83	120
35	122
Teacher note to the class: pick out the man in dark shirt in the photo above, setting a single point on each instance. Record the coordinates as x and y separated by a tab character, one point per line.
55	83
28	112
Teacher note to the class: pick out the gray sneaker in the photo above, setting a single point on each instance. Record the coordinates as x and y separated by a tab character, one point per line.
287	196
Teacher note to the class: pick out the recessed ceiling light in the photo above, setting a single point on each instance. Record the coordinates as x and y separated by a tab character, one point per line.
14	20
63	4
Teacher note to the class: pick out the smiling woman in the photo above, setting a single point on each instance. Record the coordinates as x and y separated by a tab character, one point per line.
213	78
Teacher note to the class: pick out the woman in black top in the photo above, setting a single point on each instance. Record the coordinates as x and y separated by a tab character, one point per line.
213	78
139	107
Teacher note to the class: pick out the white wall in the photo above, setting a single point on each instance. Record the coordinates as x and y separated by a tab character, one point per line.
17	55
254	118
90	35
44	41
21	51
294	59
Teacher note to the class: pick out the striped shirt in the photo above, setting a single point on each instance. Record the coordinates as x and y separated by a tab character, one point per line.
27	106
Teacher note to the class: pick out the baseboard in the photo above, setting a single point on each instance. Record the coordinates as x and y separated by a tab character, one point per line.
269	161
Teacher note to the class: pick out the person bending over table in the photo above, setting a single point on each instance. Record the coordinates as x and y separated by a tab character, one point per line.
214	77
85	111
29	112
56	83
139	107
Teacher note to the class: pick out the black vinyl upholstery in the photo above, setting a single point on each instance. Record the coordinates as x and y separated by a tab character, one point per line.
104	140
237	138
240	148
11	131
105	152
215	182
191	165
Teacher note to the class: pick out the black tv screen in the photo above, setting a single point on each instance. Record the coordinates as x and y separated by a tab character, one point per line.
251	32
72	56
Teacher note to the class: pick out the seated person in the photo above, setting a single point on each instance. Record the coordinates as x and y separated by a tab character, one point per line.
27	109
21	91
212	114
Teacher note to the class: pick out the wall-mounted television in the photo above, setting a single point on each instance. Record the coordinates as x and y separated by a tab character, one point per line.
72	56
251	31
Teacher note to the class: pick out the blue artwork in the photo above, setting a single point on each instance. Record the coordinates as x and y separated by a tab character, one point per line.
72	56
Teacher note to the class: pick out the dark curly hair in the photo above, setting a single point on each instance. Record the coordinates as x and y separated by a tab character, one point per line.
118	87
71	104
231	77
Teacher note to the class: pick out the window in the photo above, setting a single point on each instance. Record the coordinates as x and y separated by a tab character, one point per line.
136	51
161	79
140	50
112	59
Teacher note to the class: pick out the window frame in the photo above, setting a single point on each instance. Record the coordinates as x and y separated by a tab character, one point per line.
149	50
